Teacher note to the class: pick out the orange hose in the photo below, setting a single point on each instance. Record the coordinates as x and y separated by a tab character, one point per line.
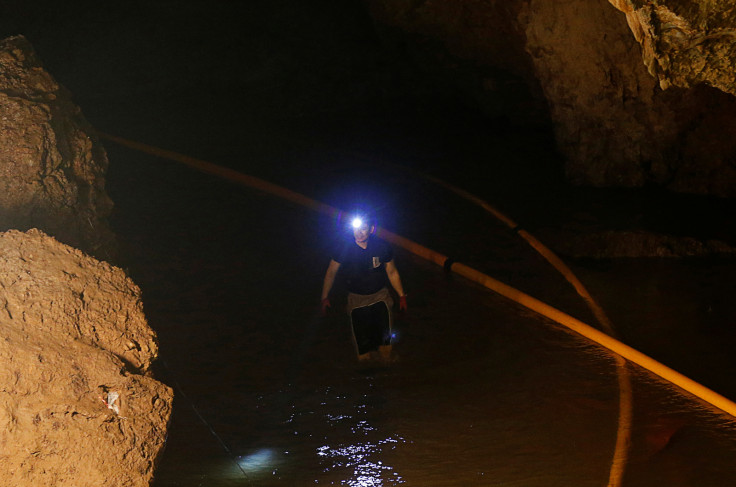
499	287
623	433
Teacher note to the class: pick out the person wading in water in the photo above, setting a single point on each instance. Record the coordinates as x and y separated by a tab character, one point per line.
368	263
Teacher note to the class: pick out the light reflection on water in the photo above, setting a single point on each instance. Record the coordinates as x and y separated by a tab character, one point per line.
506	400
367	472
351	442
333	434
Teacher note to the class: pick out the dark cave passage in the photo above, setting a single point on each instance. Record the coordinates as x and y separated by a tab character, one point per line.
304	94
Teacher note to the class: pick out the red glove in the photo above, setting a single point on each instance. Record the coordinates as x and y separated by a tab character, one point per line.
325	306
402	303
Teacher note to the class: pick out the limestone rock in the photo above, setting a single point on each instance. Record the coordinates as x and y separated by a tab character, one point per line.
603	107
77	405
685	43
613	123
52	166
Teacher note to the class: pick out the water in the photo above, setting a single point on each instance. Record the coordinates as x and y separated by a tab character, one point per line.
483	393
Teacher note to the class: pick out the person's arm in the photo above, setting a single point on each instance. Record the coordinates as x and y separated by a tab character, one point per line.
329	278
394	278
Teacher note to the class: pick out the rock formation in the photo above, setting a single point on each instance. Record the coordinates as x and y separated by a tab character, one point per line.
77	404
52	166
613	123
615	126
685	43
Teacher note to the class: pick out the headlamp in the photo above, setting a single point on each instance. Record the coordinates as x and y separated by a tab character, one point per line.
357	222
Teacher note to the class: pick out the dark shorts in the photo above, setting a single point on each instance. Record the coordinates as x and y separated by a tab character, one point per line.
370	319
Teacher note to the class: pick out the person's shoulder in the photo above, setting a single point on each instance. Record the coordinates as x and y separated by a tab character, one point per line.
380	245
376	242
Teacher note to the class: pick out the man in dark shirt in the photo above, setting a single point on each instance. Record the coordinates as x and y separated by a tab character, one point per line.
368	263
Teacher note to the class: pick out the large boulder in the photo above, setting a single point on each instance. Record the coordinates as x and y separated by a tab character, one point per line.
613	122
78	406
52	165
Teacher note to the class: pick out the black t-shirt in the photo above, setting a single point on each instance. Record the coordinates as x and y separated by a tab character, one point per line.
365	269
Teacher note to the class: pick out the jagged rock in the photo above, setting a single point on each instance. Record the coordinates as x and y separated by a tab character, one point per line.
52	166
613	123
72	337
685	43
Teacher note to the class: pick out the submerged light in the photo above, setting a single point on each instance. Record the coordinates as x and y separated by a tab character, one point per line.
258	461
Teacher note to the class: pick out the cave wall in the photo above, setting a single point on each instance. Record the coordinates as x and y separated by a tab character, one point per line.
475	48
52	166
613	122
78	405
686	42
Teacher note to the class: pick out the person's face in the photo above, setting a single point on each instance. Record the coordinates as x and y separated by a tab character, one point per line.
362	233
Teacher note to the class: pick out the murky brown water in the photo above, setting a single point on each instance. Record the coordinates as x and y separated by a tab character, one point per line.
483	393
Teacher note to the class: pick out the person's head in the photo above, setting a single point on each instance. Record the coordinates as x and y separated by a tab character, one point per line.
363	226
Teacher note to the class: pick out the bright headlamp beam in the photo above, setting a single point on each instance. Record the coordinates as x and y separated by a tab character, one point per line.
357	222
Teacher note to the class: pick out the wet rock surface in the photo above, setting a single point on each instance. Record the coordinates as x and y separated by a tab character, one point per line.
77	404
52	166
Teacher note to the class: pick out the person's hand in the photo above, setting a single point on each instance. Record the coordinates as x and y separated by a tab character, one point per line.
326	305
402	303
